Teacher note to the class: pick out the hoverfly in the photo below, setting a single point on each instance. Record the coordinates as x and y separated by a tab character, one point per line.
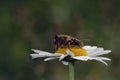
65	41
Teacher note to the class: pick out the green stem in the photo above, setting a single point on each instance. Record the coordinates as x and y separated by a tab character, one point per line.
71	70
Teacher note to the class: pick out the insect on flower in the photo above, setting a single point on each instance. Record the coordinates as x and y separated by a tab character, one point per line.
65	41
68	48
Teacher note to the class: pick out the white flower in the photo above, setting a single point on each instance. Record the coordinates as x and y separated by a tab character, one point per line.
85	53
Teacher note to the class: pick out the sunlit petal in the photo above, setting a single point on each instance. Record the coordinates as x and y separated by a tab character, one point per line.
94	51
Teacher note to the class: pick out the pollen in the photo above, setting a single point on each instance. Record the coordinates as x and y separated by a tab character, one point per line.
76	51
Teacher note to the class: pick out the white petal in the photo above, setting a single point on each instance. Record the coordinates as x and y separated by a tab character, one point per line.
94	51
62	57
48	59
89	47
35	55
103	58
85	58
70	53
65	63
39	53
98	52
102	61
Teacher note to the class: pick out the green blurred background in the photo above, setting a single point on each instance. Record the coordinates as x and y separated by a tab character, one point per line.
26	24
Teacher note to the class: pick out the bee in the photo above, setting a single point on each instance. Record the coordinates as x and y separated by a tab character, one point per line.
65	41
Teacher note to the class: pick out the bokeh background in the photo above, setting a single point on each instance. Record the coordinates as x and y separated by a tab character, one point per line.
26	24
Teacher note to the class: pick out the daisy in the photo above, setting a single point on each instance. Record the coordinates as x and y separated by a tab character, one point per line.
65	55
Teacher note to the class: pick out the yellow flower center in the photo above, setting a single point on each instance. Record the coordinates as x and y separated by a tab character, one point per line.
76	51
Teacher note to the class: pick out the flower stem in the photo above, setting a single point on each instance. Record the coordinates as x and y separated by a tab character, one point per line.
71	70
